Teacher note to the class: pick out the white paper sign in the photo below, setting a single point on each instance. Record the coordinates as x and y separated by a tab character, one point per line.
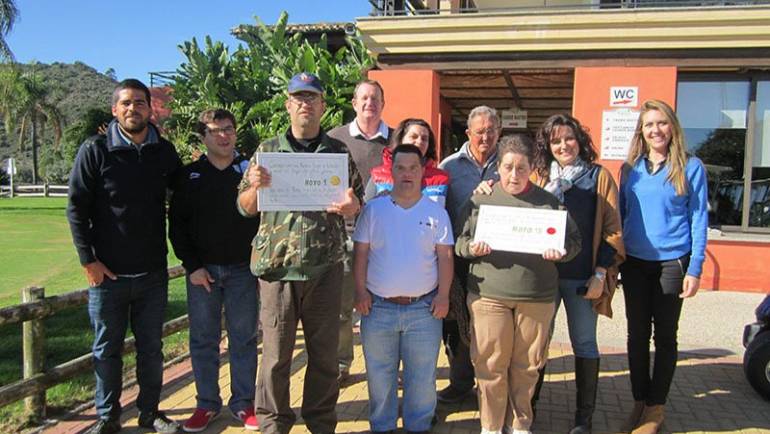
624	96
302	181
618	128
525	230
514	118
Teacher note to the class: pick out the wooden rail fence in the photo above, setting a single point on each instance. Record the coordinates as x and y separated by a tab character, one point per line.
30	190
34	307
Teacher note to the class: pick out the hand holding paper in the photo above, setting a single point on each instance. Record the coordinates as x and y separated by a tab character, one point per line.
349	207
480	248
258	177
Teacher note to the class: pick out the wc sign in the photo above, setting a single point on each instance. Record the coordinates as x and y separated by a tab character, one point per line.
624	96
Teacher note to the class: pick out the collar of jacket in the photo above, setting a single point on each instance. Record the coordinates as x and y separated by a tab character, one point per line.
465	153
115	141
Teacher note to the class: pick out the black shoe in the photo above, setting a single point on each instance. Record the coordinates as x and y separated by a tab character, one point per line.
158	422
105	426
451	395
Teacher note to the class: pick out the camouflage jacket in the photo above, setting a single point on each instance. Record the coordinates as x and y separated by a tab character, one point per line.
299	245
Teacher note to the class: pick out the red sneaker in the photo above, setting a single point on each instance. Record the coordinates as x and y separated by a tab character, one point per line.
199	420
248	418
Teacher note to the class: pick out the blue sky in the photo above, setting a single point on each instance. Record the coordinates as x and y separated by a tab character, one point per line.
140	36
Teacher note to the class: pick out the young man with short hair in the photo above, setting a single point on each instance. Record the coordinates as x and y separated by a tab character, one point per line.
403	270
117	216
214	243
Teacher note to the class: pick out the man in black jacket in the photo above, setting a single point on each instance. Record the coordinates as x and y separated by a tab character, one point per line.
117	215
214	242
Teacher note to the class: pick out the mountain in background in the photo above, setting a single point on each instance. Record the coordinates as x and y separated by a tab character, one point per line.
76	89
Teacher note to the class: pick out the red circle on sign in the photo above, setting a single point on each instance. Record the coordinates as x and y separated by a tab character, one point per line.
551	231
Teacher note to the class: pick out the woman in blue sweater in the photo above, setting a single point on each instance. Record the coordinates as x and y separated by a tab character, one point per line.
663	205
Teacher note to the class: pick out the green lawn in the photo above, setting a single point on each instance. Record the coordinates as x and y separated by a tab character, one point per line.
36	249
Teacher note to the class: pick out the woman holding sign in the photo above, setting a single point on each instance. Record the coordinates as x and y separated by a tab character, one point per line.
415	132
511	294
564	166
663	202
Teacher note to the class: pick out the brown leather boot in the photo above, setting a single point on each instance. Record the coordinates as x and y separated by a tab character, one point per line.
652	419
633	419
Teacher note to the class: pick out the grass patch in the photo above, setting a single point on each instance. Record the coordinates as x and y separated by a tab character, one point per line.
36	249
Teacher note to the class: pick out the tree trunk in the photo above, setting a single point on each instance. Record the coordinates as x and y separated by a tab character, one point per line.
34	149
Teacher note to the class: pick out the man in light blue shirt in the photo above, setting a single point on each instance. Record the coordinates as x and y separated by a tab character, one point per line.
476	161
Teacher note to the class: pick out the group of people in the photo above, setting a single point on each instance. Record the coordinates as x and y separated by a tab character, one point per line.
399	248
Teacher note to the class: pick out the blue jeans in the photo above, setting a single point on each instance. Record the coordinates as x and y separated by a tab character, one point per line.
110	305
236	288
581	319
392	333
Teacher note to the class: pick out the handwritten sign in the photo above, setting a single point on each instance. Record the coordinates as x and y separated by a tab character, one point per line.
525	230
302	182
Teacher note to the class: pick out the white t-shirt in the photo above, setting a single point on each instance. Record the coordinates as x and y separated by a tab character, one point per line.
402	245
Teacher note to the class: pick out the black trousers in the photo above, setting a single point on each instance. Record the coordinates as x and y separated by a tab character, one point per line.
651	290
461	375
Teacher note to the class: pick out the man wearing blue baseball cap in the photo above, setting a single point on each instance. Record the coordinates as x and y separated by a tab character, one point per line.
298	257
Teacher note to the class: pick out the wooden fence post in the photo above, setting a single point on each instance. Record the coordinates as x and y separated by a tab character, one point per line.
45	189
33	342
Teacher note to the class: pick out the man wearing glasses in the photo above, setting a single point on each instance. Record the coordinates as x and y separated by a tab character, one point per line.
214	243
476	161
298	257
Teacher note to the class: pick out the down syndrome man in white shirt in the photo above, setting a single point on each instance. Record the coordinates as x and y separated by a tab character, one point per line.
402	267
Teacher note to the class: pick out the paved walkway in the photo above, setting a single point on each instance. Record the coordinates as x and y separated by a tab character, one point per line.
709	394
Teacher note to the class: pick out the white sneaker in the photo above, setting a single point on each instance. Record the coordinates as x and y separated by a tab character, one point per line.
520	431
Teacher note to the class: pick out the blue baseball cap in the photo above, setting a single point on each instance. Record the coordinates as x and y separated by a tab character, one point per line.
305	82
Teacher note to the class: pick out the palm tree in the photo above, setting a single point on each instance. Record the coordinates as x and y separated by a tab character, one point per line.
25	103
8	15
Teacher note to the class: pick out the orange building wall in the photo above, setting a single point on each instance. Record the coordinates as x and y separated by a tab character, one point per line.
410	94
730	265
591	96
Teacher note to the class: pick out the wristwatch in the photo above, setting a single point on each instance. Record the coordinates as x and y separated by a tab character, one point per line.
600	275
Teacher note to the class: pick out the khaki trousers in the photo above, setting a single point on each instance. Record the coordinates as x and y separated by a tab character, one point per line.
283	304
509	340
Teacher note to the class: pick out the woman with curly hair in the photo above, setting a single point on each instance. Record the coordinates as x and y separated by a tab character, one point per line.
565	166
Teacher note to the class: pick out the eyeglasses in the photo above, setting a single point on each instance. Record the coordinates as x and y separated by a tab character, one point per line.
228	131
489	132
307	98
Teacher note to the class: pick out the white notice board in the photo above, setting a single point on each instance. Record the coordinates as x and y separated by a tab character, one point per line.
617	131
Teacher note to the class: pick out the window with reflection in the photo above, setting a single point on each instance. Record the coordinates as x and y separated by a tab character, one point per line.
713	115
716	120
759	201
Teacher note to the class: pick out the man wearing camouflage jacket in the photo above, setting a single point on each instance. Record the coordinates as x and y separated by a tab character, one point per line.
298	257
